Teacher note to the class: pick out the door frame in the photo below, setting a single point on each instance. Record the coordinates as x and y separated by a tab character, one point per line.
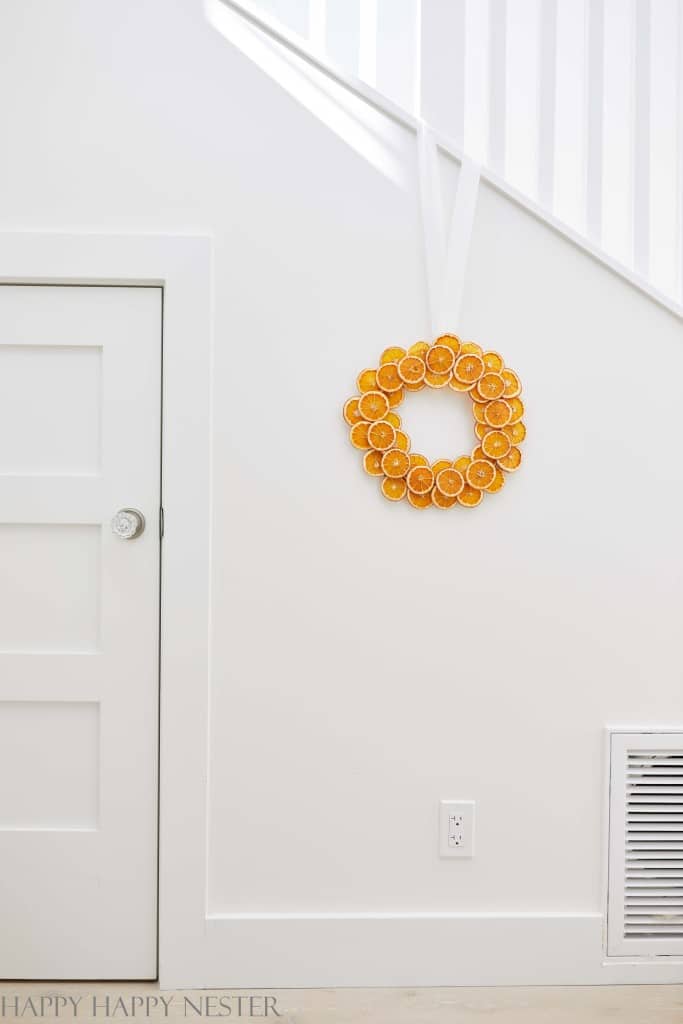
182	266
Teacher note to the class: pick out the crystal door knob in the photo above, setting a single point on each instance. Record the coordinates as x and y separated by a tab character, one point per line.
128	523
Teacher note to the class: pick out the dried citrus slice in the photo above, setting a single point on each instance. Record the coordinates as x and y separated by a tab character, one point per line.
450	482
359	435
388	378
392	355
516	432
511	461
468	368
517	408
439	465
394	490
513	386
440	500
493	361
440	359
367	380
395	463
420	348
478	453
396	397
477	410
415	387
372	463
402	441
462	463
394	419
437	380
351	412
495	444
497	413
498	482
412	369
480	473
420	500
381	435
417	460
491	385
459	386
420	480
469	496
471	348
373	405
452	341
481	429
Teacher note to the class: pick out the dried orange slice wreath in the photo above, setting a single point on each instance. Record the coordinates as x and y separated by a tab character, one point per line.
494	391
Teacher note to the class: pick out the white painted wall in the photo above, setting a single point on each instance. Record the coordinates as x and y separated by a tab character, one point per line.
367	662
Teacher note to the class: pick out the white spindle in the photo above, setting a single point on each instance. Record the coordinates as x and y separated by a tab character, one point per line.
342	19
547	103
594	118
477	80
442	69
617	152
395	64
367	48
641	138
497	84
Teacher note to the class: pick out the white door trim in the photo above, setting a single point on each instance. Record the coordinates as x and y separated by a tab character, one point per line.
182	266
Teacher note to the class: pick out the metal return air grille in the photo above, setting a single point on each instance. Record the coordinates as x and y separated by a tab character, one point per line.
646	823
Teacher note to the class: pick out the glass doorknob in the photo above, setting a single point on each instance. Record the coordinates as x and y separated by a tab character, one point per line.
128	523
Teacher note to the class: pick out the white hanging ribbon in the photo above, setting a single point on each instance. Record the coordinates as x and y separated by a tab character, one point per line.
445	255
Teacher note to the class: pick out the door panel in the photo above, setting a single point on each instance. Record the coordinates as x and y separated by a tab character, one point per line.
80	382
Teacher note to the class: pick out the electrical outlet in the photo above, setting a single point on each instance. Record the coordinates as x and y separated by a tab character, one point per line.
456	828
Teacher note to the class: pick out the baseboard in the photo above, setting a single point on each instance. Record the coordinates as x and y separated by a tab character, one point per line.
377	950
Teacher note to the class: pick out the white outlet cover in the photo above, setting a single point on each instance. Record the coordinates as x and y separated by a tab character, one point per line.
456	828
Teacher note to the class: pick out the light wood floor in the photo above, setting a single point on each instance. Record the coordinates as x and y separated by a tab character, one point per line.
635	1004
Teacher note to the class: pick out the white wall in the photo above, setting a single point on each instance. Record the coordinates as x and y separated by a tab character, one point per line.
367	661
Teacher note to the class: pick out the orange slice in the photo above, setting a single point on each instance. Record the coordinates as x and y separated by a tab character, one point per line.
480	474
388	378
478	453
437	380
440	500
420	348
462	463
359	435
511	461
459	385
417	460
392	355
394	463
516	433
395	398
481	429
451	341
469	496
439	465
394	419
440	359
478	410
498	482
402	441
471	348
468	368
495	444
490	386
449	482
497	413
513	384
517	407
373	405
372	463
415	387
420	480
367	380
420	500
394	490
412	369
381	435
493	361
351	412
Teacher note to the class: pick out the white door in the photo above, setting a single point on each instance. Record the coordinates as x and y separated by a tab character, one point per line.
80	425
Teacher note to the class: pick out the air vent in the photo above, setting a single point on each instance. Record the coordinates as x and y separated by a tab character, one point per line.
645	890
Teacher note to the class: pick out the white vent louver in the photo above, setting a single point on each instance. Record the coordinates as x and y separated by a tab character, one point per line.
645	891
